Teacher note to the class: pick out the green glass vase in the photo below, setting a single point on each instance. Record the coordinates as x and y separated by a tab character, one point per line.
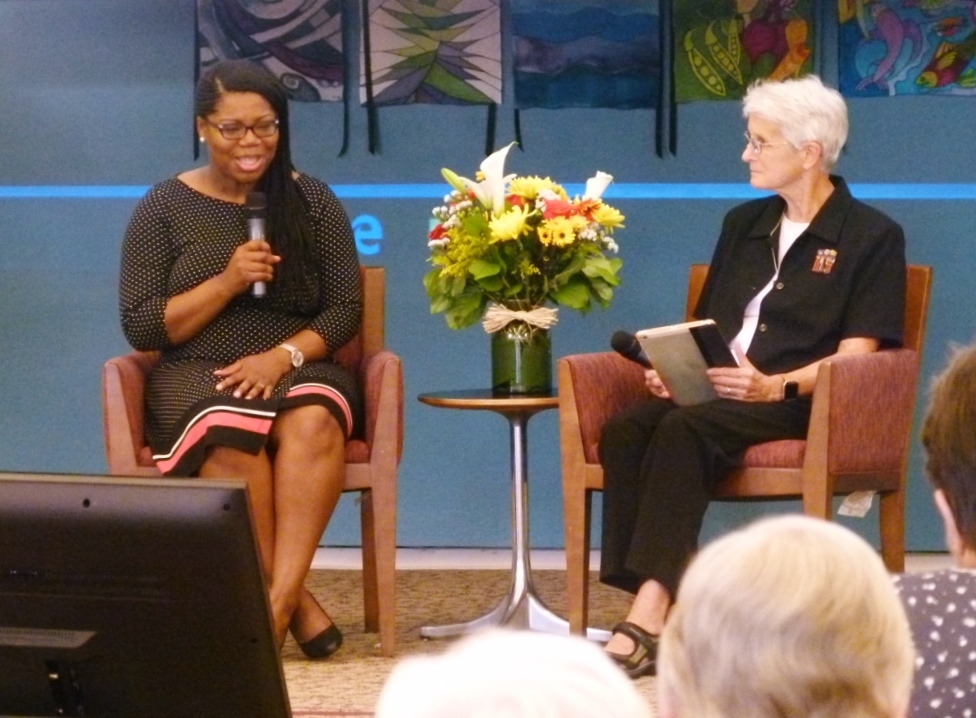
521	360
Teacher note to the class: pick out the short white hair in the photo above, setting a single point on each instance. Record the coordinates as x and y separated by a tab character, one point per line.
804	110
790	616
512	674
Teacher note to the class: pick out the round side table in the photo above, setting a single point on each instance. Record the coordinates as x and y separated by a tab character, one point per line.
521	606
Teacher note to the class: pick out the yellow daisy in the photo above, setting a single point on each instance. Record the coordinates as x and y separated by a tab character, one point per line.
508	225
529	187
607	216
559	232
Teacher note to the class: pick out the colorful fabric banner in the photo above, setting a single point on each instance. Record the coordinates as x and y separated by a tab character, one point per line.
300	41
907	47
721	46
432	51
586	53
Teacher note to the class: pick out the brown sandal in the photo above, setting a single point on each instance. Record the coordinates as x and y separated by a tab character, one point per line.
642	661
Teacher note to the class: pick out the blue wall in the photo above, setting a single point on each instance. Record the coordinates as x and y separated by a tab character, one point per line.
98	93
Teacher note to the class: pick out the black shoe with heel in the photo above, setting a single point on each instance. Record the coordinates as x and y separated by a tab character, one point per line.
322	645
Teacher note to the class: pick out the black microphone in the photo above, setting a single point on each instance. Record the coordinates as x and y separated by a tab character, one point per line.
256	213
626	344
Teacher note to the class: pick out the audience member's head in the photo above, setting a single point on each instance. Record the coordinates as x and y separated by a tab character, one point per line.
790	616
949	436
509	674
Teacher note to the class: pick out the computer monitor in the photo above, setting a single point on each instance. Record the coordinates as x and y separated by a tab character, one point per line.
133	598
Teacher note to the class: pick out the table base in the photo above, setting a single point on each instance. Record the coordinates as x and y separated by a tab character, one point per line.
523	610
521	607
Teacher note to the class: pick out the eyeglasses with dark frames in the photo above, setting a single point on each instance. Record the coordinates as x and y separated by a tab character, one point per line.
237	130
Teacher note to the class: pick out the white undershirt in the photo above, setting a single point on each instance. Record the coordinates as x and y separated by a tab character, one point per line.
788	232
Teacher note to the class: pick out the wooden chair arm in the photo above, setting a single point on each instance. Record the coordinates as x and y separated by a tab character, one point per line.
381	379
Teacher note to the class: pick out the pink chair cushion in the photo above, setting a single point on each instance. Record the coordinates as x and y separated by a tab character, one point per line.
784	454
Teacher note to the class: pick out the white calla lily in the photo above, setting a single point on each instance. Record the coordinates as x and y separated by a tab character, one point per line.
493	168
596	185
490	192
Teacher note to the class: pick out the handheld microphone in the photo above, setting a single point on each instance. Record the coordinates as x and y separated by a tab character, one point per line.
626	344
256	213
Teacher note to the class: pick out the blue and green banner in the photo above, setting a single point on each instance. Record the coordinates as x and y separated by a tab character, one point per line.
586	53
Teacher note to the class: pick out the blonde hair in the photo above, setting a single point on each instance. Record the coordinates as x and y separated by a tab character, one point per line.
509	674
804	110
949	437
790	616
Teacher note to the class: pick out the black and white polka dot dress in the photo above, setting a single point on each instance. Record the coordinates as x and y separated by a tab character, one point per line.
178	238
941	607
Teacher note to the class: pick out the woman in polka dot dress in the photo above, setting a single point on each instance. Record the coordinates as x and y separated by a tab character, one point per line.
941	605
246	386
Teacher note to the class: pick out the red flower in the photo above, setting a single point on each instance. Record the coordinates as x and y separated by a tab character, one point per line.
437	232
558	208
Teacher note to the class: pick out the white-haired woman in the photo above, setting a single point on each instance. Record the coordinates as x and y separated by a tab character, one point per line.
790	616
796	278
511	674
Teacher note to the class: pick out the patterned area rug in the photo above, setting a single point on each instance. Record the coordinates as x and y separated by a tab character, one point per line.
349	683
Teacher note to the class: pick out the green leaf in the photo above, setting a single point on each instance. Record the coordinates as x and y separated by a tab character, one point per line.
603	268
432	281
458	286
492	284
480	268
515	289
439	304
475	225
574	294
467	309
602	292
577	265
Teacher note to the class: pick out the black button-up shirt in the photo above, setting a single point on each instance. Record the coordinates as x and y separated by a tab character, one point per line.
808	312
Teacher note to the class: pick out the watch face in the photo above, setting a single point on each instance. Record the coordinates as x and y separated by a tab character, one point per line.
791	390
297	358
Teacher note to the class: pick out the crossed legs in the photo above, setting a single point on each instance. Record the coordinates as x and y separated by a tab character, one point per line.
294	487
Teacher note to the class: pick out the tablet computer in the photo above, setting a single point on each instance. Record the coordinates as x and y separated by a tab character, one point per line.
681	353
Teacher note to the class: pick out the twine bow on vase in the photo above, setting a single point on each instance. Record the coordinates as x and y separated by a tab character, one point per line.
521	349
498	317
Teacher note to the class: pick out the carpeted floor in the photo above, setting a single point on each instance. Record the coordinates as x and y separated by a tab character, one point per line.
349	683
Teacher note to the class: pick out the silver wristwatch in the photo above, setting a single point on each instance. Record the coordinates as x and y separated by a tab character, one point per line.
297	358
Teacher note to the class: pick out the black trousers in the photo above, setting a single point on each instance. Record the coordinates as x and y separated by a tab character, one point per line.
660	462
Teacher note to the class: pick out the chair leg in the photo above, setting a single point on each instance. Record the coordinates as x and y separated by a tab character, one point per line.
892	518
577	528
368	531
382	509
818	498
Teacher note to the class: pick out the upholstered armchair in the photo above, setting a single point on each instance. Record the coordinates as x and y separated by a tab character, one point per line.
858	438
371	463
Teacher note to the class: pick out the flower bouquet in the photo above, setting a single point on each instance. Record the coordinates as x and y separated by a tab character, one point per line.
504	248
